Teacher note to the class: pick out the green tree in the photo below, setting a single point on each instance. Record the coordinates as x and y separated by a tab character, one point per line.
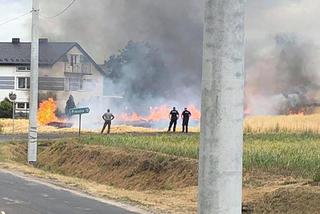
6	108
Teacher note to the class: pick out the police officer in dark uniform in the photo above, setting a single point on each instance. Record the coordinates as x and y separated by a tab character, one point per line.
174	116
185	119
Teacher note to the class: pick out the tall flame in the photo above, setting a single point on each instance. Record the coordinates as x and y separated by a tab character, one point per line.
47	112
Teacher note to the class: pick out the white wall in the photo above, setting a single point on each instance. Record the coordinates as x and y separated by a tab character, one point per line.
22	95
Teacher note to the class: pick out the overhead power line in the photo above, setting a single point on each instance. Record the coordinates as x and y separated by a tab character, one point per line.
61	12
6	21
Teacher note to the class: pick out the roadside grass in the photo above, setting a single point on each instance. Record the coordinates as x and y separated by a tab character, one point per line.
179	144
296	154
280	153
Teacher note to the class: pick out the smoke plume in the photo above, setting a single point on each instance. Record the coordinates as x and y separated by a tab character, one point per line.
286	67
105	27
277	64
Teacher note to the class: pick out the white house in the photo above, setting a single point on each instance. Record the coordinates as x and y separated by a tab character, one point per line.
64	69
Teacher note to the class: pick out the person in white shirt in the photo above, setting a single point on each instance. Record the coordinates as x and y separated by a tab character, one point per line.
108	117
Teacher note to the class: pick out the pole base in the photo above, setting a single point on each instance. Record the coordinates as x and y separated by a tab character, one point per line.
32	163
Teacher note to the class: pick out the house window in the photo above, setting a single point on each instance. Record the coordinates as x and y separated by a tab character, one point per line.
23	68
22	106
23	82
74	59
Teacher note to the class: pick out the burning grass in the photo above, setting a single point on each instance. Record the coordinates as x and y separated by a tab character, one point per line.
156	114
47	112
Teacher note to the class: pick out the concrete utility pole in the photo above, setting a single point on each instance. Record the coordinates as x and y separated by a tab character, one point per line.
33	134
220	165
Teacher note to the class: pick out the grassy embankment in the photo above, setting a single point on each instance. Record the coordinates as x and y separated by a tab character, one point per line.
279	153
295	154
157	166
281	144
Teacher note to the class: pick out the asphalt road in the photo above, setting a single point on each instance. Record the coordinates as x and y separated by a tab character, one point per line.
20	195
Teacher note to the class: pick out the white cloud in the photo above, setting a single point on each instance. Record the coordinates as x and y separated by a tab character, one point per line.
18	28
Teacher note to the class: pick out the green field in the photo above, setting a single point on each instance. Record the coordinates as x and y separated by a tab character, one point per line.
281	153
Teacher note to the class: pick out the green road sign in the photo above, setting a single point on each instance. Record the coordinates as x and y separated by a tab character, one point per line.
74	111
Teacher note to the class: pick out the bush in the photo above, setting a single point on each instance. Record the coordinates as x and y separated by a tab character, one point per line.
6	108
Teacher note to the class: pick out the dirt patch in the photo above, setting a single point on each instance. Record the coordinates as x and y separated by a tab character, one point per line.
129	169
293	199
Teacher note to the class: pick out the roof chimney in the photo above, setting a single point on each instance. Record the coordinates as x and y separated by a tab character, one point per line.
15	40
43	40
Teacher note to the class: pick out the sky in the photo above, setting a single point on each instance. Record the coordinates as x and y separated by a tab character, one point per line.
19	28
264	18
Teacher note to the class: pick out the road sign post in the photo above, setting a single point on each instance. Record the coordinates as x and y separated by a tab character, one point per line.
13	98
79	124
79	111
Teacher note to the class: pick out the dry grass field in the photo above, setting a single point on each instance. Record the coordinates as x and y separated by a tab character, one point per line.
287	123
21	126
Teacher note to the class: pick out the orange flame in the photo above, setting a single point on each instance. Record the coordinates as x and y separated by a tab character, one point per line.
46	112
156	114
195	113
130	117
300	113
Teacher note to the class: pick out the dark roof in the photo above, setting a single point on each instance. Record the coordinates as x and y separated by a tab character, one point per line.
49	53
